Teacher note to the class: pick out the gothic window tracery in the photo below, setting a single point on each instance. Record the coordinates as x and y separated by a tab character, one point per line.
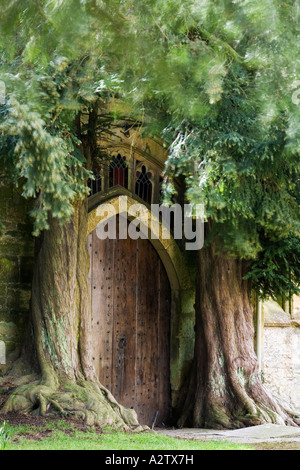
118	172
95	185
132	171
143	185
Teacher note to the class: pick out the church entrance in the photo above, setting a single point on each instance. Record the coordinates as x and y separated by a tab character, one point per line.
131	302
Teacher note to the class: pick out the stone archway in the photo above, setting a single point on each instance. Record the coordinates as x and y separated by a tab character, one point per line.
174	262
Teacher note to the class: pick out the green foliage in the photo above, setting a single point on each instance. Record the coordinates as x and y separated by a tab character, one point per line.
45	163
248	180
5	433
54	78
215	79
60	435
277	268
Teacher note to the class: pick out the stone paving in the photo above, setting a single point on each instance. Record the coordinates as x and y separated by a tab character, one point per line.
270	433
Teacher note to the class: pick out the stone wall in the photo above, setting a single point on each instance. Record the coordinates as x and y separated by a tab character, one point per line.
296	306
16	264
281	354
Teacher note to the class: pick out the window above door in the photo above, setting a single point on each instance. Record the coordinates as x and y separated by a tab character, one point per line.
131	171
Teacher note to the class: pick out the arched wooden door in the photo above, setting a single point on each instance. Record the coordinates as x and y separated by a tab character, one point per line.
131	324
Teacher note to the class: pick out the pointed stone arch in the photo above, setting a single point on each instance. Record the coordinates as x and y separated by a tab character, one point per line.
168	250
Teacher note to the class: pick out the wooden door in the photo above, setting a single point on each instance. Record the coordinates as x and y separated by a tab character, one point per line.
131	324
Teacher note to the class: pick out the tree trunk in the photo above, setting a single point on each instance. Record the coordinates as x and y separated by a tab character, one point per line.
61	324
224	389
59	341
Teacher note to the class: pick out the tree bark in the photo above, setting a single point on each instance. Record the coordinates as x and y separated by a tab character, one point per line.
224	389
61	325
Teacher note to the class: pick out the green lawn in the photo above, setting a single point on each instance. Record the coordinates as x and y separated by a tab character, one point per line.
62	435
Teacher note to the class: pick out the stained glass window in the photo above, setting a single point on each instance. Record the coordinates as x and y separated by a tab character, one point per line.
96	184
143	185
118	172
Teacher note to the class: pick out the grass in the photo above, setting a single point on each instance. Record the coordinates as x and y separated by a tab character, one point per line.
62	435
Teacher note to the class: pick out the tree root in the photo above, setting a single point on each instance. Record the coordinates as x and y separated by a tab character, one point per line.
85	401
252	406
219	417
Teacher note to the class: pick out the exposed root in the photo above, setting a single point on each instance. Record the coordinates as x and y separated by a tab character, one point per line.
233	409
89	402
219	417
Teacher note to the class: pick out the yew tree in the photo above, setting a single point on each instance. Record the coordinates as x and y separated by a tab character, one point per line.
59	64
233	134
238	151
247	177
215	80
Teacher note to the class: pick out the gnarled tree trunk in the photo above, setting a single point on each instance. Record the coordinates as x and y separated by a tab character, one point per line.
61	323
224	389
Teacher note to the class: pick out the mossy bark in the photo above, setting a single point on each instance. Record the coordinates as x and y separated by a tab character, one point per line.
58	344
224	389
61	324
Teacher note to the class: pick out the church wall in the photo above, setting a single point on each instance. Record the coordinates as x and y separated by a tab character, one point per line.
281	353
16	265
